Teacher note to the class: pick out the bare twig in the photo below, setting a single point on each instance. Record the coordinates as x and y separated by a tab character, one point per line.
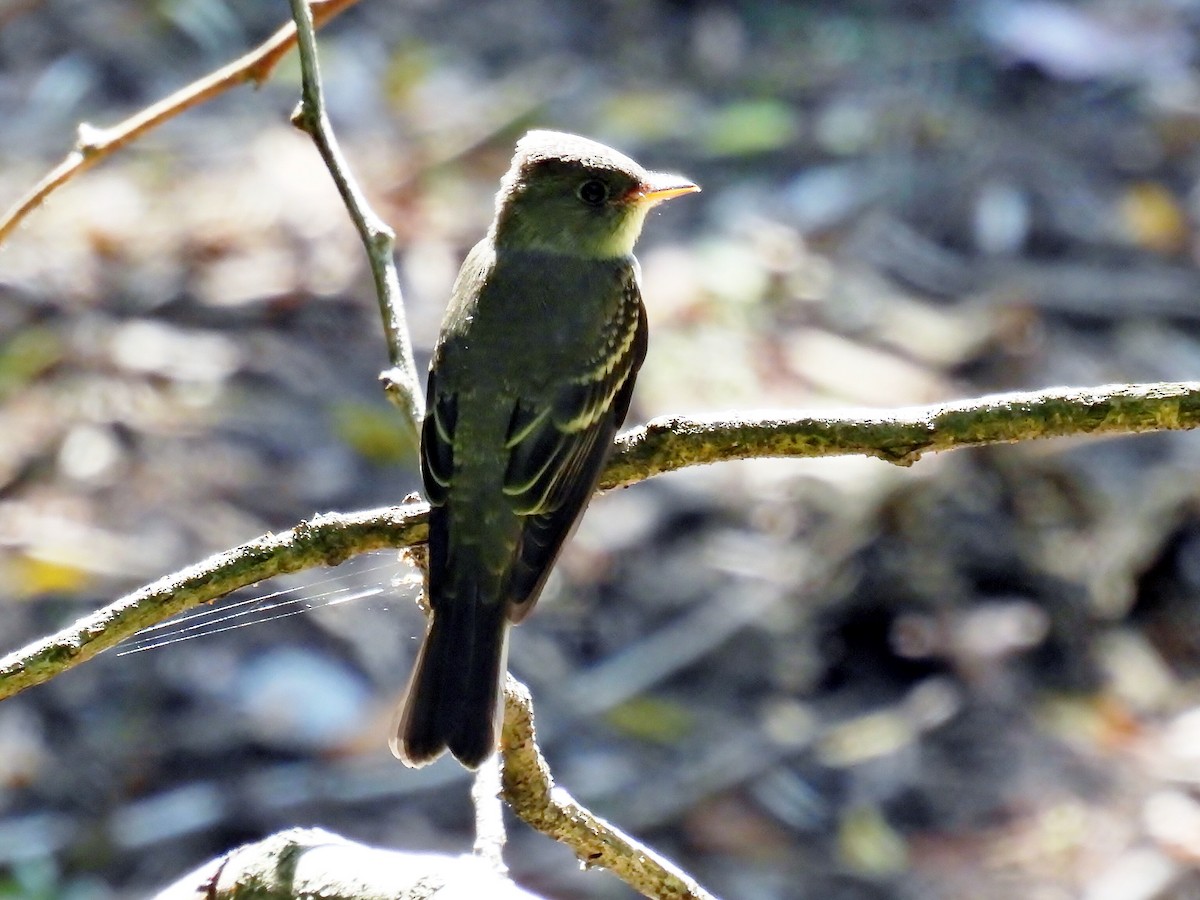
663	445
489	815
402	382
530	792
94	144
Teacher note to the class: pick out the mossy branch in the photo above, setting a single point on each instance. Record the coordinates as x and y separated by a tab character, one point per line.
323	540
662	445
530	792
309	862
901	436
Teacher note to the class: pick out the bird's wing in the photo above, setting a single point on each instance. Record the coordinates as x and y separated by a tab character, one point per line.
437	441
437	466
556	450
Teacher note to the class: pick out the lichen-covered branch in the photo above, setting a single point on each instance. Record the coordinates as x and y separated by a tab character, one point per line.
901	436
324	540
309	862
94	144
403	385
663	445
530	792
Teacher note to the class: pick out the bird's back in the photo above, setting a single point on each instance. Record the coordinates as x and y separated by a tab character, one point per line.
549	340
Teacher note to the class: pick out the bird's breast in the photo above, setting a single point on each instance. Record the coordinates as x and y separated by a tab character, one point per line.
541	309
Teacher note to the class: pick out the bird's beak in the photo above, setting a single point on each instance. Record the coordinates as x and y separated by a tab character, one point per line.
659	187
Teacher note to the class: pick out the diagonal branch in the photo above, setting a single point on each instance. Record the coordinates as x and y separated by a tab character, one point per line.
663	445
94	144
324	540
530	791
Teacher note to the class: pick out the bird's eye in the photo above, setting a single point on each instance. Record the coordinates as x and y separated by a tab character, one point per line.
593	192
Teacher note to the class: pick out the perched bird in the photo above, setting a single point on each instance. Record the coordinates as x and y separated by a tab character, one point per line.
530	380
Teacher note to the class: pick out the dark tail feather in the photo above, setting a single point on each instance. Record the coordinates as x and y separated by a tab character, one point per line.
453	700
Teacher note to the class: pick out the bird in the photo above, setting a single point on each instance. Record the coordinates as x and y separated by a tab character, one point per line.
530	378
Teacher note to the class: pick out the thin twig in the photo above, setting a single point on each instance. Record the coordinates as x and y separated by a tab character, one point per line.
663	445
94	144
490	837
530	792
403	384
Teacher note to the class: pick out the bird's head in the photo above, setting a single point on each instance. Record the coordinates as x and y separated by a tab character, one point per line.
567	194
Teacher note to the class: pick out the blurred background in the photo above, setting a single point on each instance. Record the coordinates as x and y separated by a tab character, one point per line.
976	677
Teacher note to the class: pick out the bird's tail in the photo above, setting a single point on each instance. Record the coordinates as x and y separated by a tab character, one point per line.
453	700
